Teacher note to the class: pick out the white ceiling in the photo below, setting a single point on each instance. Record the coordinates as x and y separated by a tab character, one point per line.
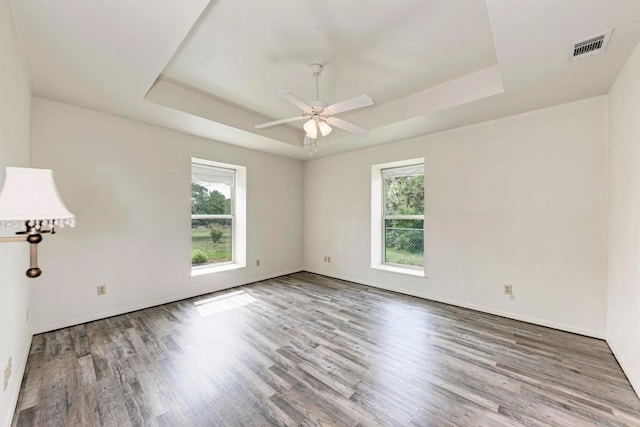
212	68
394	50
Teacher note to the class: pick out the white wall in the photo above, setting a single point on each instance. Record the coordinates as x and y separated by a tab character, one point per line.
129	185
623	297
15	112
520	200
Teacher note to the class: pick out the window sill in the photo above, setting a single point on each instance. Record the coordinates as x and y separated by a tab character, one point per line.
400	270
201	271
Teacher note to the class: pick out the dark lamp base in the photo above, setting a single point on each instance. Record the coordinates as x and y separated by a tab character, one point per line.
34	272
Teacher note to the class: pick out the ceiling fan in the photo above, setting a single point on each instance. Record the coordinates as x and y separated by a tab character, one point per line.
320	116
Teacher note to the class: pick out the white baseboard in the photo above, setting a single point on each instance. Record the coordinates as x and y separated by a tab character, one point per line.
464	304
625	365
135	307
16	391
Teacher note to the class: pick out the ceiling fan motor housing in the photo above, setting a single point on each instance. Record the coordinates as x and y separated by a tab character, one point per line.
317	107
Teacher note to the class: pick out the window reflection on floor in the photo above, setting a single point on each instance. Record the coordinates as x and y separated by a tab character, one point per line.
213	305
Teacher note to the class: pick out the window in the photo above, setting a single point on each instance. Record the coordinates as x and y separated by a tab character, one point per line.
398	216
217	215
403	218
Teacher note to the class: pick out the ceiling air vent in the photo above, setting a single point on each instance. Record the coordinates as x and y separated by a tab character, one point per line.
591	46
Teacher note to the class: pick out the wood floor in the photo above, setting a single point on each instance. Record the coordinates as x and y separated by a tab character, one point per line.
309	350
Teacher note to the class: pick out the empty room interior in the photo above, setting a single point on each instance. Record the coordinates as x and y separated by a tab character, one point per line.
299	213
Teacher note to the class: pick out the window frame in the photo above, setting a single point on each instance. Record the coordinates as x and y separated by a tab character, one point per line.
237	216
379	215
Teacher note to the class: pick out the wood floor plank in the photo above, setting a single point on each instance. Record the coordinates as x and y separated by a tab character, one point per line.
309	350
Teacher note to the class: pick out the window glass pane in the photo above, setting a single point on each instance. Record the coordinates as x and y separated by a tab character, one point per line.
404	242
404	195
210	241
211	190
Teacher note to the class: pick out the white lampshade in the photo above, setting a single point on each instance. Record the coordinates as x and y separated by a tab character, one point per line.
324	127
311	129
31	195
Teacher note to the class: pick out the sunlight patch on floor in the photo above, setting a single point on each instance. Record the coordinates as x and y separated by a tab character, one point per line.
213	305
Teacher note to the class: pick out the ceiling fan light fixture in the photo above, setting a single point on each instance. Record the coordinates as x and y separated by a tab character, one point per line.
311	128
324	127
320	117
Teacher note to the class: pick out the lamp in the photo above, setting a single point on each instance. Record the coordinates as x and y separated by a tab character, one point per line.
314	124
311	129
30	200
324	127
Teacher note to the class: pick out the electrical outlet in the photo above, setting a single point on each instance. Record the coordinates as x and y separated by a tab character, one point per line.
27	315
257	263
508	289
325	258
329	259
7	374
102	289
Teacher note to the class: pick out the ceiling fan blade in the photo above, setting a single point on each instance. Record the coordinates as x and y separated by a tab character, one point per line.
345	125
350	104
279	122
295	101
